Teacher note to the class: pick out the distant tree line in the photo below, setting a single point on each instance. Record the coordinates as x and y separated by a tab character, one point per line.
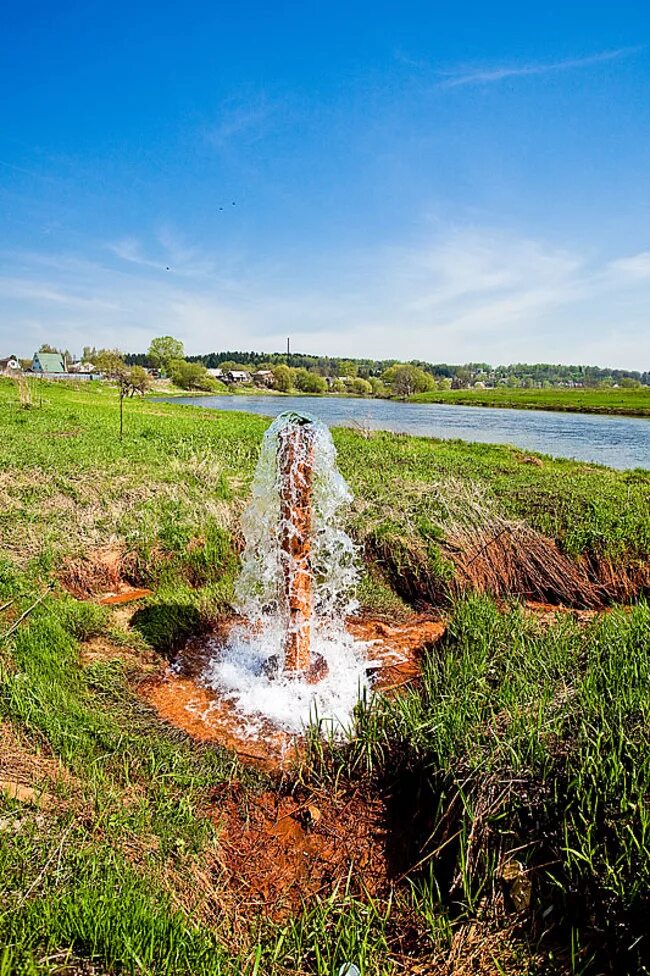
167	354
461	376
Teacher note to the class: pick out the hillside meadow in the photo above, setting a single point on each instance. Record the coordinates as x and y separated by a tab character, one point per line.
499	800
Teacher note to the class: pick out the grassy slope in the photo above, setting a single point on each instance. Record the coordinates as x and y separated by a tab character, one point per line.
635	403
110	872
67	483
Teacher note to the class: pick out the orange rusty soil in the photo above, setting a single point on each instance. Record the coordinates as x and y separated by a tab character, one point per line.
394	655
396	648
125	594
204	716
277	852
100	575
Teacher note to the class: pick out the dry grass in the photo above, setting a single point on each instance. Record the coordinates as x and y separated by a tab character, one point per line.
485	551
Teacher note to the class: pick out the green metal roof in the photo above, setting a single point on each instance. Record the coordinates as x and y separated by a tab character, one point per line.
50	362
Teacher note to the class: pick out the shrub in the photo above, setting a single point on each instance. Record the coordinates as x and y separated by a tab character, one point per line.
361	387
190	376
282	378
405	380
308	382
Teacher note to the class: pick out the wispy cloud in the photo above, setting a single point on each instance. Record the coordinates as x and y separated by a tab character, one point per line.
459	294
636	266
245	119
169	252
486	76
130	250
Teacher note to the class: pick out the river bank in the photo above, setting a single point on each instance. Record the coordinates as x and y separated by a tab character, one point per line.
620	402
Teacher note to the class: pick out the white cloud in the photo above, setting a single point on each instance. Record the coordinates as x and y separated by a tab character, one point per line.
462	294
485	76
175	255
129	249
637	266
34	292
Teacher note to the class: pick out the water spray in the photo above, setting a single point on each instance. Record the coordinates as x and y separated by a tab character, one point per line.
292	658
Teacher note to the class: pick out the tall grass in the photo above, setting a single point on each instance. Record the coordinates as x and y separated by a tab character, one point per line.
532	743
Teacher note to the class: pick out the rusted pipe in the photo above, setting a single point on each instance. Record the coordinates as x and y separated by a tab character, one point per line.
295	462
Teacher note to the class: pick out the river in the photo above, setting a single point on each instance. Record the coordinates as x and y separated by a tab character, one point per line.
619	442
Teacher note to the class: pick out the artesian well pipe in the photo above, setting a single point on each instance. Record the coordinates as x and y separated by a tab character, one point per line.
295	468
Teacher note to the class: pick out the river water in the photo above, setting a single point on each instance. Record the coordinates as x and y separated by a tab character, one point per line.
619	442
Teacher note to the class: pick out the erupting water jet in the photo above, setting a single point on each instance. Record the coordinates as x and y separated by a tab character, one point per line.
294	655
292	660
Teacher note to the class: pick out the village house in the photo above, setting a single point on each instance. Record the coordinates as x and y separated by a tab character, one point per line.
82	367
263	377
52	366
48	362
216	374
238	376
10	364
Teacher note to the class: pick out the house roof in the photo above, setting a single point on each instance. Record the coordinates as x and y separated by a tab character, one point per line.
51	362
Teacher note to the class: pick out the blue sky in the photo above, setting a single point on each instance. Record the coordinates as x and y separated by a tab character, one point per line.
449	182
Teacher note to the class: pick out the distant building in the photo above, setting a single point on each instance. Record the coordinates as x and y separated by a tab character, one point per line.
48	362
263	377
10	364
52	366
216	374
82	368
238	376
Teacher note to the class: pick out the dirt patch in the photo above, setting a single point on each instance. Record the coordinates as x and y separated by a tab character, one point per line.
31	775
126	594
102	649
396	649
185	704
97	572
104	574
26	794
278	852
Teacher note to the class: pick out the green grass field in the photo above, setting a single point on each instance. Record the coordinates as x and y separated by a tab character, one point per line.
512	779
633	403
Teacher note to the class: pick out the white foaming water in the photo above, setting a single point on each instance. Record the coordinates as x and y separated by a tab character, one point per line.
238	673
240	670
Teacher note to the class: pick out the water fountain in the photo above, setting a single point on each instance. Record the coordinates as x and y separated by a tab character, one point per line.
291	659
293	655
